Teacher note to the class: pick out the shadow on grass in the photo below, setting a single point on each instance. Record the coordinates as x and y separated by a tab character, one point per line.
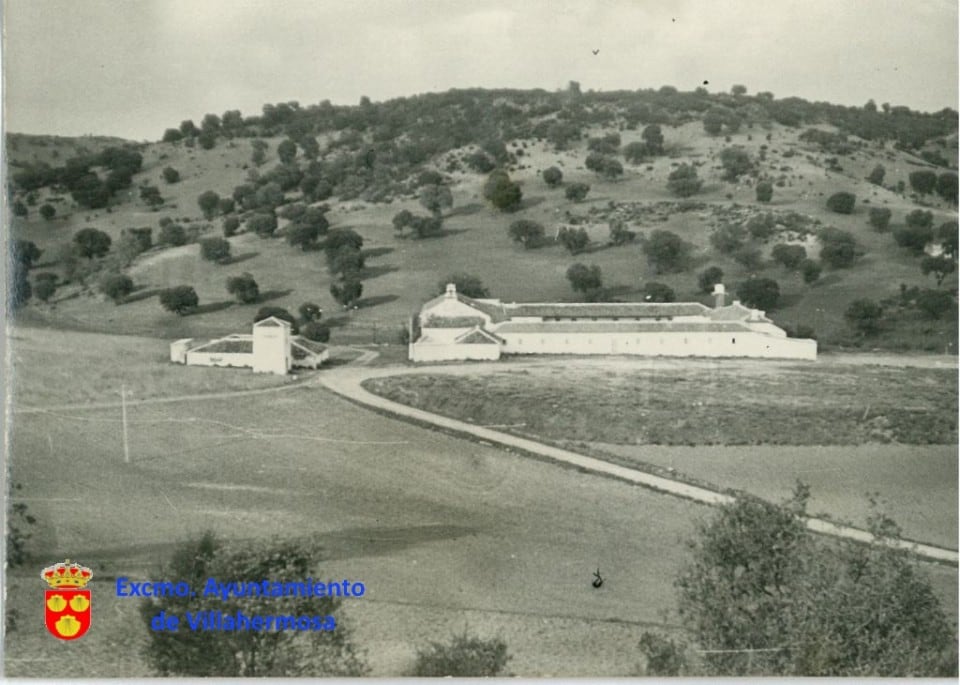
210	308
337	321
141	293
236	259
272	295
375	271
529	202
374	301
830	279
464	210
372	252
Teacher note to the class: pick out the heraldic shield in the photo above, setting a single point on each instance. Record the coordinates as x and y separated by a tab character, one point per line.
67	603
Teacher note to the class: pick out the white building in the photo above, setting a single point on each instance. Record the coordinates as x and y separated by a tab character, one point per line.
454	327
269	349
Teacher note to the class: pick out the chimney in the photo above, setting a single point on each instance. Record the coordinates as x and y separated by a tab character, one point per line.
451	291
719	295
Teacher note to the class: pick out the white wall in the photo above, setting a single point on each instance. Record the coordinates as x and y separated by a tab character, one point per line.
240	359
426	352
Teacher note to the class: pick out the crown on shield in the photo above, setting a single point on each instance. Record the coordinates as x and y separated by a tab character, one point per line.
66	574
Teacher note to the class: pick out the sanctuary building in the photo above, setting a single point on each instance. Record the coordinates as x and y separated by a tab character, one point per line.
269	349
455	327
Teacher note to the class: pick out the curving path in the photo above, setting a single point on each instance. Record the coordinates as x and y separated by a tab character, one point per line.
346	381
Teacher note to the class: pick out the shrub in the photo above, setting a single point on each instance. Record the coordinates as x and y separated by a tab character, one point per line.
810	270
552	177
923	182
347	292
666	251
585	278
209	203
574	239
736	162
620	234
577	192
215	249
231	225
303	235
919	218
748	256
709	277
116	286
728	238
947	187
790	256
764	191
91	242
171	175
244	287
839	248
876	176
45	286
310	311
940	266
402	219
864	315
172	235
935	303
913	238
264	224
316	331
841	203
528	233
462	657
501	192
683	181
48	211
636	152
658	292
880	218
179	299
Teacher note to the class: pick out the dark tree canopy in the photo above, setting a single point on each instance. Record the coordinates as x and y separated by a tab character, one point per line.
880	218
247	653
709	277
215	249
864	315
841	203
666	251
658	292
683	181
244	287
940	266
935	303
913	237
209	203
789	256
552	176
769	598
528	233
839	248
501	192
761	293
764	191
585	278
179	299
810	270
264	224
116	286
48	211
736	162
876	176
574	239
316	331
347	292
924	182
172	234
436	198
91	242
947	186
577	192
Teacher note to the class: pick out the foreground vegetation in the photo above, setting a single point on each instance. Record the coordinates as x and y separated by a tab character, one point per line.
733	403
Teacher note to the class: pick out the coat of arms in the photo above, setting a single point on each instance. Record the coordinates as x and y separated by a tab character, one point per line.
67	603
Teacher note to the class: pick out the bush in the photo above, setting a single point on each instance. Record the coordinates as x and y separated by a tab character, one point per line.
279	313
864	315
935	303
209	203
709	277
790	256
462	657
501	192
316	331
666	251
839	248
748	256
402	219
528	233
841	203
45	286
303	235
552	177
215	249
876	176
919	218
923	182
947	187
760	293
310	311
244	288
264	224
658	292
48	211
577	192
764	191
585	278
172	235
171	175
810	270
880	218
347	292
683	181
248	653
736	162
116	287
91	242
179	299
231	225
913	238
574	239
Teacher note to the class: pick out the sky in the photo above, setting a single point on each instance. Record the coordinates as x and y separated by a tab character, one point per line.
133	68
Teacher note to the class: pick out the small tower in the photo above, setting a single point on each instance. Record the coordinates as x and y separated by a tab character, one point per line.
271	346
719	295
451	291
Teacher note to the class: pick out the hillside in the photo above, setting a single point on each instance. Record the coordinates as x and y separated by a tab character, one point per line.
362	165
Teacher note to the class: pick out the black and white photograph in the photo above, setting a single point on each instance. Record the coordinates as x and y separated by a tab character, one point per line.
438	338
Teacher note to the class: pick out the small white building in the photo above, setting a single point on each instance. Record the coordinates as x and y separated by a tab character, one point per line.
454	327
269	349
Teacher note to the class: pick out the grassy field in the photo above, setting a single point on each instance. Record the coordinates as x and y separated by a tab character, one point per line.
401	274
444	533
699	403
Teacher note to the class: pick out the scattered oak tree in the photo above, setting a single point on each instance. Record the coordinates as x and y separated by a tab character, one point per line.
279	313
658	292
940	266
841	203
91	242
244	287
864	315
761	293
209	202
574	239
215	249
789	256
577	192
552	177
683	181
528	233
880	218
666	251
764	191
709	277
179	299
116	286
